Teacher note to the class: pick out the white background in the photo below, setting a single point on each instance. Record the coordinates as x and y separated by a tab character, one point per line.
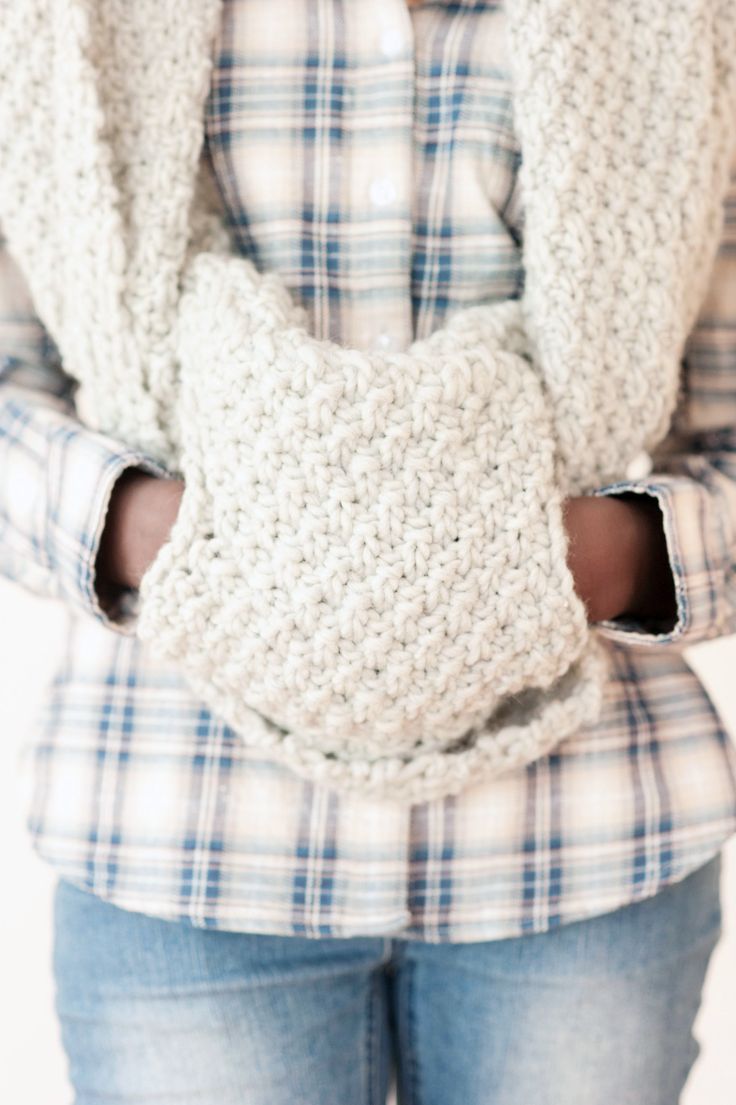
32	1066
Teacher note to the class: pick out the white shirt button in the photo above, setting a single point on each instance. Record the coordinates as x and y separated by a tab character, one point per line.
640	467
392	42
382	191
384	342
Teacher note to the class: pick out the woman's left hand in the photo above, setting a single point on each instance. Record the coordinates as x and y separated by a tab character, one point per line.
618	557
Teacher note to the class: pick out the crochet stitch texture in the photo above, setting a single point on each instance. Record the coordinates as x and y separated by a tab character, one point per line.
367	578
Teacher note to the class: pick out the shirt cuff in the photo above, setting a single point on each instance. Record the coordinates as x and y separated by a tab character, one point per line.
84	467
698	552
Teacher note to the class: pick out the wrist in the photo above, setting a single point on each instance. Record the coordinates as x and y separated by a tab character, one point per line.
653	590
112	569
140	514
617	553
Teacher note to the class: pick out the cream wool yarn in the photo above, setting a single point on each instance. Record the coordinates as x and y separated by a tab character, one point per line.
367	578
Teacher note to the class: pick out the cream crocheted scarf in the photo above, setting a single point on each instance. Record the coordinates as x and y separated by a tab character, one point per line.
367	578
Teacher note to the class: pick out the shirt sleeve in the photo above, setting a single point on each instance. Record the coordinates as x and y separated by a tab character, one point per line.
56	476
693	476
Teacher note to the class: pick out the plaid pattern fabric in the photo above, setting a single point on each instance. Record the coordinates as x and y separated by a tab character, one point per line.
367	154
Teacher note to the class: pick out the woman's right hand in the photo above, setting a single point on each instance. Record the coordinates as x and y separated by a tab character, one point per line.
142	510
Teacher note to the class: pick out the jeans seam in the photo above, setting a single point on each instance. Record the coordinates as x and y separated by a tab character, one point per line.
370	1095
409	1051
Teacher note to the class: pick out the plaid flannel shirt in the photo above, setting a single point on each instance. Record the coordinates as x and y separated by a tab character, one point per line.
368	155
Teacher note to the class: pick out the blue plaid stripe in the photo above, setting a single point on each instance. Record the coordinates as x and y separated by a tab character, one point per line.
368	156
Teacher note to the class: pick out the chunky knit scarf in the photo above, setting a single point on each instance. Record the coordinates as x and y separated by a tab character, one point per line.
367	578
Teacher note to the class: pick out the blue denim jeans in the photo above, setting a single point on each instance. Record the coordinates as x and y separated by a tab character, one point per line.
594	1013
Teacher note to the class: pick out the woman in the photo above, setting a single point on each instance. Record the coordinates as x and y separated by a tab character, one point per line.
229	931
